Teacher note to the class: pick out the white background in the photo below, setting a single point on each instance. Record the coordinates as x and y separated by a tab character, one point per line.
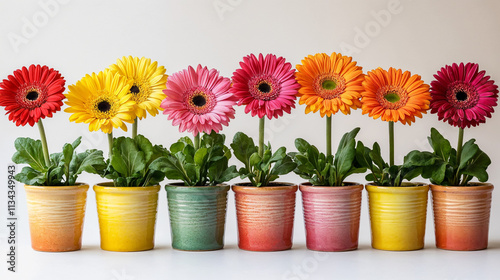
80	37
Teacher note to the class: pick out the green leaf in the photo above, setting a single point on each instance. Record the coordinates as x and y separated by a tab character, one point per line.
345	157
145	146
255	159
477	167
469	150
439	144
29	151
243	147
416	158
30	176
200	156
302	145
177	147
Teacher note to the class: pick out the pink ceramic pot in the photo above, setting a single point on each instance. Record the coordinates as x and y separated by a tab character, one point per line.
462	216
265	216
331	216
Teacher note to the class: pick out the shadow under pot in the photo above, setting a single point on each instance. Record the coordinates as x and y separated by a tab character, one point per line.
56	215
331	216
197	216
265	216
127	217
462	216
398	216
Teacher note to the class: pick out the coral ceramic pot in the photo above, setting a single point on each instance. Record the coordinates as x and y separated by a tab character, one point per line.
265	216
462	216
56	217
331	216
197	216
397	216
127	217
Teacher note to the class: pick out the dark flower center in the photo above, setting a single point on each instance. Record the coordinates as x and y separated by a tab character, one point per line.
461	95
199	100
32	95
265	87
104	106
134	89
329	84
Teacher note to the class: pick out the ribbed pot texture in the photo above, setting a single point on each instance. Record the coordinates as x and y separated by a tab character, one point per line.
127	217
265	216
462	216
56	216
197	216
397	216
331	216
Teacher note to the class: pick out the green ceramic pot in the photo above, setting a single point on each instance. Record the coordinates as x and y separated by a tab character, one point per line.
197	216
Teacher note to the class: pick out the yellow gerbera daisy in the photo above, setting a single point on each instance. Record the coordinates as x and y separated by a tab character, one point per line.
394	96
329	83
149	81
103	101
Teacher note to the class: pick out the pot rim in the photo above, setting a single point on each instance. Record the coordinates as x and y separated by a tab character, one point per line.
352	186
77	185
181	188
410	186
474	186
108	187
278	186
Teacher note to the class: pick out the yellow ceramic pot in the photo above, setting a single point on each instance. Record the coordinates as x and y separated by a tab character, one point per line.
56	217
127	217
397	216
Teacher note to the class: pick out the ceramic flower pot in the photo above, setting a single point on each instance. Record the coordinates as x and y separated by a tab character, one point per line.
197	216
127	217
331	216
462	216
397	216
56	217
265	216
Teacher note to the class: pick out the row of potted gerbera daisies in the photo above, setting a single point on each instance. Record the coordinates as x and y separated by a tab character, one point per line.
200	100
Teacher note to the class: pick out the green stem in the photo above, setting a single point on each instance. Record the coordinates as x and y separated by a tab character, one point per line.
197	142
391	143
134	128
110	143
459	154
261	136
328	136
44	143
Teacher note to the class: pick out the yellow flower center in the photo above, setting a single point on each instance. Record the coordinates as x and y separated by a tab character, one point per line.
140	90
329	85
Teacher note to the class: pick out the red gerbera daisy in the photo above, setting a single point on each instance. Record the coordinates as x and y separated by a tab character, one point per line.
267	86
31	94
198	100
463	96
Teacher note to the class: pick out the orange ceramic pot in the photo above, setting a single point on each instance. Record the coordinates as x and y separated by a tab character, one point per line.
331	216
56	217
462	216
265	216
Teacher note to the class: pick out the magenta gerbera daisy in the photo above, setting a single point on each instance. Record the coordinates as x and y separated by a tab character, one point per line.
198	100
266	85
32	93
462	95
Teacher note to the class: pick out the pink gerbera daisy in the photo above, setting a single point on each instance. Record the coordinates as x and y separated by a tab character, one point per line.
31	94
266	85
462	96
198	101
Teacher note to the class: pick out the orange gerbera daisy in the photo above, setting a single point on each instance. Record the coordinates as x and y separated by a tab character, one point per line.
394	95
329	83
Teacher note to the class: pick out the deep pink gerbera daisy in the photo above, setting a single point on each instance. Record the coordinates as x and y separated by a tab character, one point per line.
198	101
266	85
463	96
31	94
